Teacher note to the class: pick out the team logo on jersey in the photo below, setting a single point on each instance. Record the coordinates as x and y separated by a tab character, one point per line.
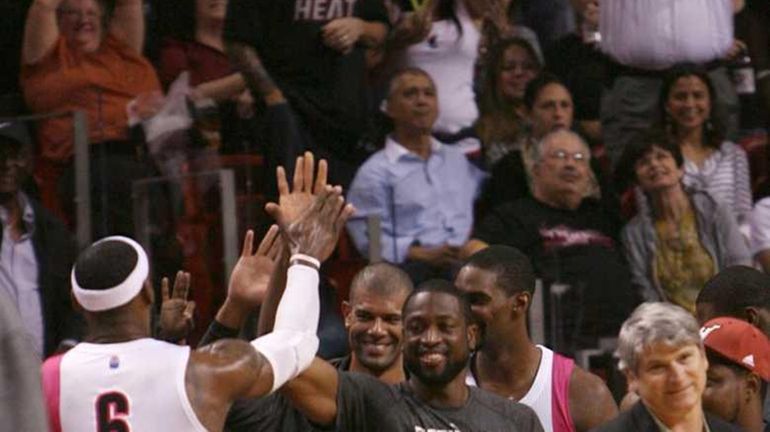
322	10
114	362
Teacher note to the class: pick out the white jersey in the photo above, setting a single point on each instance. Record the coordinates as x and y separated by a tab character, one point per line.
131	386
548	396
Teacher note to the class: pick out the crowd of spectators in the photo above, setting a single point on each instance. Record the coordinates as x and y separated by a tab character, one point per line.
620	145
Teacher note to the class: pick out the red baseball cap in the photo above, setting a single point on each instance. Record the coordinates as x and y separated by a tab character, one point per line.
740	342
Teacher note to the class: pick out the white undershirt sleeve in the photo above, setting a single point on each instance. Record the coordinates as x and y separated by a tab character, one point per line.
292	345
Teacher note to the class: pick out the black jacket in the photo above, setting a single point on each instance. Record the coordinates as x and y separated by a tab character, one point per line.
639	419
55	251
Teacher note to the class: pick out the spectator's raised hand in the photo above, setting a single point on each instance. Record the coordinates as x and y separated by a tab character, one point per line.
251	275
342	34
293	202
414	27
494	11
316	230
176	312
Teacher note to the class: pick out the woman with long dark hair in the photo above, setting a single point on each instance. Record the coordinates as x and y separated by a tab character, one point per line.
512	64
711	163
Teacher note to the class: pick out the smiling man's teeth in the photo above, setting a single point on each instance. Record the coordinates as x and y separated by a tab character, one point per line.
434	358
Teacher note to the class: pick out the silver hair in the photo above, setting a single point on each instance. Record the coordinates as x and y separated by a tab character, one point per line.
652	323
537	151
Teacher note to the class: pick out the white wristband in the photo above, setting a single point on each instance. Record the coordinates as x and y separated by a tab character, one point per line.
308	258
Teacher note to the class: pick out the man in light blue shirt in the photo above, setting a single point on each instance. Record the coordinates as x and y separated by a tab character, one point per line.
422	191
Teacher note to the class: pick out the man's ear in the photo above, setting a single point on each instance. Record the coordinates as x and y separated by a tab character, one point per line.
346	312
752	387
473	334
520	302
752	315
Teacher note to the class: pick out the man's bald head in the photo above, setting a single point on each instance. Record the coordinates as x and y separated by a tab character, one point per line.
381	279
373	318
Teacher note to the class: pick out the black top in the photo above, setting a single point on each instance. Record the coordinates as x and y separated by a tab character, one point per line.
55	253
576	247
367	404
273	413
582	68
324	87
638	419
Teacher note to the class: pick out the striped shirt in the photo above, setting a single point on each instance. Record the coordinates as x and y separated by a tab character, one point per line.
760	227
725	176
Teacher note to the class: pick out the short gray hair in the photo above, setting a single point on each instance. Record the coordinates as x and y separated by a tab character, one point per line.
411	70
537	151
652	323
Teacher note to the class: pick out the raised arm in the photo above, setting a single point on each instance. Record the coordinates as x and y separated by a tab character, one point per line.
307	183
41	31
411	28
258	279
176	311
127	23
251	277
230	369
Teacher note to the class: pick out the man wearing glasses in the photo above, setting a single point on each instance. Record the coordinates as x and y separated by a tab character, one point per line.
570	238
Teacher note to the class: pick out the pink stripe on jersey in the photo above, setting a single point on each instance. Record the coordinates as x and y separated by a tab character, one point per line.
560	415
51	390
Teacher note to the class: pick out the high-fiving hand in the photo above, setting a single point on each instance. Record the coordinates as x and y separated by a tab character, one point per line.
176	312
251	275
293	202
316	230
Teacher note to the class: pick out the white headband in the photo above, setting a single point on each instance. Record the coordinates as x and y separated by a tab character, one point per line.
110	298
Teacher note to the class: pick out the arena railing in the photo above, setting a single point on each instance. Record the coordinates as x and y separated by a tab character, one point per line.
82	197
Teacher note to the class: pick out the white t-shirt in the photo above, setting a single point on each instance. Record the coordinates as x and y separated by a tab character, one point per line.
656	34
449	58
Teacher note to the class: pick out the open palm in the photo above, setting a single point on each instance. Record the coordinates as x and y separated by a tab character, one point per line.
176	312
295	201
251	275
